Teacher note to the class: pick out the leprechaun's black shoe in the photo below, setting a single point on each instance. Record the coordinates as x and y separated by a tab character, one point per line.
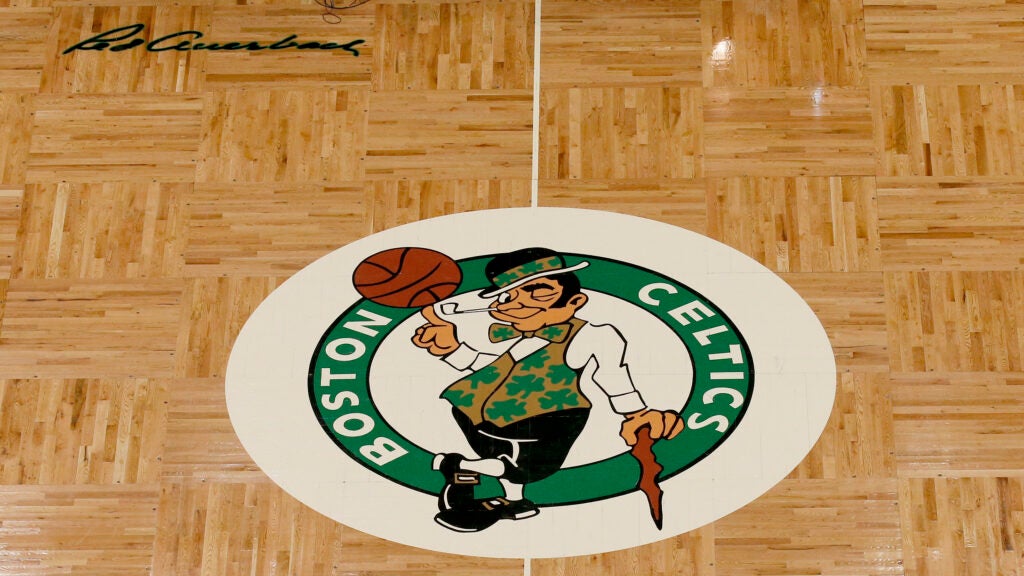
512	509
484	513
472	519
457	493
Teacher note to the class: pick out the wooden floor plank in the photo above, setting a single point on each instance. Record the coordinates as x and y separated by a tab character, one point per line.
951	223
136	70
110	230
798	224
788	132
79	138
607	43
90	432
815	43
100	529
870	152
25	33
90	329
620	133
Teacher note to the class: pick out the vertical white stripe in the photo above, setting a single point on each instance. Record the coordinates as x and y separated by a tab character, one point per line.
535	176
526	567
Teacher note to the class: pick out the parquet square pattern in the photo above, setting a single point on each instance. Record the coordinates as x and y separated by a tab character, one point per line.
858	441
135	70
872	153
270	68
88	432
788	132
798	224
949	130
101	529
962	523
956	321
620	133
590	43
268	229
200	443
73	328
109	230
15	126
822	43
132	138
946	40
451	134
214	310
324	128
454	46
791	531
21	62
959	424
951	224
853	309
10	213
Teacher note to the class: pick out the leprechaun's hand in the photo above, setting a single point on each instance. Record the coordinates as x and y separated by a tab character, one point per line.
664	424
437	336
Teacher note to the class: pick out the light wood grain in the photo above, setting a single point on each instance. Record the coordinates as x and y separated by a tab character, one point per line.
949	130
449	134
25	43
454	46
788	132
56	432
870	152
620	133
951	223
114	138
15	129
798	224
955	321
282	136
750	43
10	214
90	329
112	230
947	41
268	229
132	71
609	43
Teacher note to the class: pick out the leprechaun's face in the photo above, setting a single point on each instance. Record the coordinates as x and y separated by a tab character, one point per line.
531	306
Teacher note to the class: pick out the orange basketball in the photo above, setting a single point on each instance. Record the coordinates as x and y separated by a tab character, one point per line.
407	277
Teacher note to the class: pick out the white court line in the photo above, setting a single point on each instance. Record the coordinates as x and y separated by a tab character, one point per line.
535	177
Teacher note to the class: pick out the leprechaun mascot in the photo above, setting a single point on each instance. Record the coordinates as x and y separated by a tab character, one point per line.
521	410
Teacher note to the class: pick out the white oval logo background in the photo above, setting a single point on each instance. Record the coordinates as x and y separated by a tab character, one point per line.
268	399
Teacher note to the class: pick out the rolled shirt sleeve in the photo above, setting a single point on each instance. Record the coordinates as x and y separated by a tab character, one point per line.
608	349
466	357
463	357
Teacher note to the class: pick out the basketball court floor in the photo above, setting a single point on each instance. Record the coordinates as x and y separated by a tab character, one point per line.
152	195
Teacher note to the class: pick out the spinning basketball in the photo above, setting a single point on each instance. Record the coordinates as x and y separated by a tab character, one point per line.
407	277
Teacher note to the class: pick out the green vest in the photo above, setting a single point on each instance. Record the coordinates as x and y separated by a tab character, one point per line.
506	391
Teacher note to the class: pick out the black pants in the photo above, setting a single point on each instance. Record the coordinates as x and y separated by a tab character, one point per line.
532	449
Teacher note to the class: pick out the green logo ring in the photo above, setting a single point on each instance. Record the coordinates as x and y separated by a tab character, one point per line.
723	379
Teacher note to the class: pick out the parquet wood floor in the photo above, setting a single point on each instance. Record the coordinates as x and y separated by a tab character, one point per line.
869	151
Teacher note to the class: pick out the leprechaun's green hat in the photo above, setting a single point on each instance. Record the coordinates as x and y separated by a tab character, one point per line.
512	269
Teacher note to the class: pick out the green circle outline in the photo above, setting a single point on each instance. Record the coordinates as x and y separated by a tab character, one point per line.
574	485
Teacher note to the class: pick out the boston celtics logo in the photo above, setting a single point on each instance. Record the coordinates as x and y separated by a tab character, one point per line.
586	386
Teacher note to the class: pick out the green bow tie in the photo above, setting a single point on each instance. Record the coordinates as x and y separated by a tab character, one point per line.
553	333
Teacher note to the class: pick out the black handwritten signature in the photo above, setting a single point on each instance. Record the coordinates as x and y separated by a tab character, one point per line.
120	39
